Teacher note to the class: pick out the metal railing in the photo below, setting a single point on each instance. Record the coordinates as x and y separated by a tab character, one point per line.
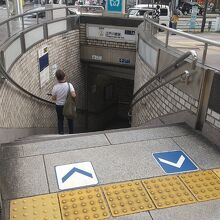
206	42
184	77
19	20
4	76
78	11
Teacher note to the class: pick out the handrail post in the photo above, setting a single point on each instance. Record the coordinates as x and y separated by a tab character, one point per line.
22	21
204	53
145	21
37	18
8	29
51	14
167	38
66	11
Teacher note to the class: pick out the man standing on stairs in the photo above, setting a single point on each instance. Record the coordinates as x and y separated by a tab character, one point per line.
59	94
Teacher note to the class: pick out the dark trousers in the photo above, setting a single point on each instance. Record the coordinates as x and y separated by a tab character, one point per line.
174	25
60	118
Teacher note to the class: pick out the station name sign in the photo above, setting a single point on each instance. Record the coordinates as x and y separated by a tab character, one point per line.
109	33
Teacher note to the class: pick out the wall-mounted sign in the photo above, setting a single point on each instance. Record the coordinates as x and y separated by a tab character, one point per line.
115	6
43	65
96	57
109	33
124	60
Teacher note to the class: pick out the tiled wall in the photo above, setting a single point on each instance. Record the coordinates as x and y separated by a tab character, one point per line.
213	118
19	110
166	100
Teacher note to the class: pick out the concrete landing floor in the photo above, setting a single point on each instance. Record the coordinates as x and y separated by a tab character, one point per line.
28	166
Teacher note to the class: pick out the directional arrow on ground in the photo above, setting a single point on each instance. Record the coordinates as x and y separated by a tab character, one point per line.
71	172
174	161
75	175
178	164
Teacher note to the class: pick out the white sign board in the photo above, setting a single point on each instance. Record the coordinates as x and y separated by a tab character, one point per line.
75	175
43	65
109	33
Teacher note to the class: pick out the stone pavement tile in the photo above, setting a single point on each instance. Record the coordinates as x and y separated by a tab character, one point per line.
67	144
12	151
198	211
23	177
138	216
147	134
6	210
113	163
204	153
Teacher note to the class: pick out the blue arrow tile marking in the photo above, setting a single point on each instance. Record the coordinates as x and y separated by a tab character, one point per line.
174	162
72	171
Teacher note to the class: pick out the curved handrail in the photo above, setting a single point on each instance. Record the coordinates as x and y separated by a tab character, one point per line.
173	66
50	9
181	33
6	76
154	89
8	21
21	88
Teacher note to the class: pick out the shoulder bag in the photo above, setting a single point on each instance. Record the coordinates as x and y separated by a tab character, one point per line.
69	108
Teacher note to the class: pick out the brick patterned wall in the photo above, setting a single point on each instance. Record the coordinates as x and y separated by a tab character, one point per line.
18	110
166	100
213	118
103	43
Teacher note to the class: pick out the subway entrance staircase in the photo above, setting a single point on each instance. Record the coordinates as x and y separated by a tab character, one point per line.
131	182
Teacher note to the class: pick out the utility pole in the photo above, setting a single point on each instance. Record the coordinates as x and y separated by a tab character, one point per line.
204	16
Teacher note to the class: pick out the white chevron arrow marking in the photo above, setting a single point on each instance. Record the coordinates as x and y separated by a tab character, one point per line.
178	164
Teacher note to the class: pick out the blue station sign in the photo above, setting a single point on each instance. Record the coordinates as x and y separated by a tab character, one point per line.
115	6
174	162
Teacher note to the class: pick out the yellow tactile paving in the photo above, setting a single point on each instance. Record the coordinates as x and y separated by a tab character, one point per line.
168	191
127	198
217	172
45	207
204	185
84	204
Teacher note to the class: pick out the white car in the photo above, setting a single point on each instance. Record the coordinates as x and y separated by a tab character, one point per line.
139	10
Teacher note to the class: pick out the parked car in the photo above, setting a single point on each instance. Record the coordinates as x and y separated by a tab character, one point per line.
186	8
139	10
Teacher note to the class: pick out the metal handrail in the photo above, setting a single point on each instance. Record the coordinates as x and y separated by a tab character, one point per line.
3	72
206	42
173	66
49	9
181	33
6	76
186	73
21	16
167	70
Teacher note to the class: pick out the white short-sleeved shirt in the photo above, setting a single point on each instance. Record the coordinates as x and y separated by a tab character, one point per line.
60	90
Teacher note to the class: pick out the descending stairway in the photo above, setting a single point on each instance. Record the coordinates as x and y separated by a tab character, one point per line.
28	165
